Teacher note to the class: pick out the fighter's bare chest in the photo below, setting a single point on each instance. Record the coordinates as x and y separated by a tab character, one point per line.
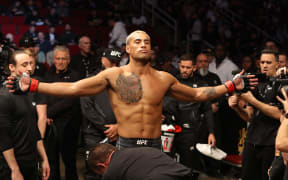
132	88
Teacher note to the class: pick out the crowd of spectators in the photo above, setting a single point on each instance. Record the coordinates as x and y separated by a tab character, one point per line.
243	26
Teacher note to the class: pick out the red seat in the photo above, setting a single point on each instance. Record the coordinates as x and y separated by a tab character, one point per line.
81	13
43	12
17	38
80	20
4	20
59	30
68	20
18	19
44	28
23	28
73	49
9	28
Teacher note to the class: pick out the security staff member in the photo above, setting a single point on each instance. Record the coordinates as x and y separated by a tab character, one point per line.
19	134
65	113
194	118
264	121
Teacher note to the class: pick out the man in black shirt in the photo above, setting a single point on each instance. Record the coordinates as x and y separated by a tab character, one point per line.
196	120
19	134
84	62
226	131
140	163
264	121
202	74
66	115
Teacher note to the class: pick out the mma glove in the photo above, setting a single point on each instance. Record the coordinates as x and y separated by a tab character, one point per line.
24	79
239	79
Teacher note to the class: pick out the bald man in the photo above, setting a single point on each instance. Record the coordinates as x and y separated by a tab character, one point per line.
84	62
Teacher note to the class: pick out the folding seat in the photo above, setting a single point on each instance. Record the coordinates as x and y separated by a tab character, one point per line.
43	12
23	28
59	29
73	49
43	28
5	20
17	38
68	20
9	28
18	19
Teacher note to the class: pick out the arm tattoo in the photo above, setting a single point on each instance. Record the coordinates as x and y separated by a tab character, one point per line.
210	92
129	88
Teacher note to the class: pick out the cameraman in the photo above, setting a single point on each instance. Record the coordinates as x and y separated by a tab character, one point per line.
257	109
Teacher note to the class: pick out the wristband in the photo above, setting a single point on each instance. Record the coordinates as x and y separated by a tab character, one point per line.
230	86
33	85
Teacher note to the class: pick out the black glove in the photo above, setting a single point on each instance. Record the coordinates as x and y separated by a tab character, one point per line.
16	87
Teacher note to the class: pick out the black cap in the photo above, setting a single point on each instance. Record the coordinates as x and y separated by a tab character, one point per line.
112	54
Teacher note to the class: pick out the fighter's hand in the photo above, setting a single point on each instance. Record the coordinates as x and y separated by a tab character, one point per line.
45	170
23	84
241	83
112	131
211	140
16	175
283	101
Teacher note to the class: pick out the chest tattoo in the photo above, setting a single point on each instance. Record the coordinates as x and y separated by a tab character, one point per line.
129	88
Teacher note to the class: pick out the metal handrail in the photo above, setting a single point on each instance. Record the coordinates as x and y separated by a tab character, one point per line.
232	15
163	16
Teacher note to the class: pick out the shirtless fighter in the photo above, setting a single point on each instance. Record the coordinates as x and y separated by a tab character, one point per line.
136	92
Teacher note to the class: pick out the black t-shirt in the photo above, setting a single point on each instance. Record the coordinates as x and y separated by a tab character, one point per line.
36	98
63	109
18	125
84	65
144	163
194	114
263	129
211	79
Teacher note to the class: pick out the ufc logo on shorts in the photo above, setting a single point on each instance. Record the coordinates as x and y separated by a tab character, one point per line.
141	142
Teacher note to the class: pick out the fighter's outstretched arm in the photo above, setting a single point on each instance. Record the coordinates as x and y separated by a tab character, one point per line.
186	93
89	86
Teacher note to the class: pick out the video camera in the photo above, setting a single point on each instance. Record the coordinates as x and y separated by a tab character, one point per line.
277	82
6	49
